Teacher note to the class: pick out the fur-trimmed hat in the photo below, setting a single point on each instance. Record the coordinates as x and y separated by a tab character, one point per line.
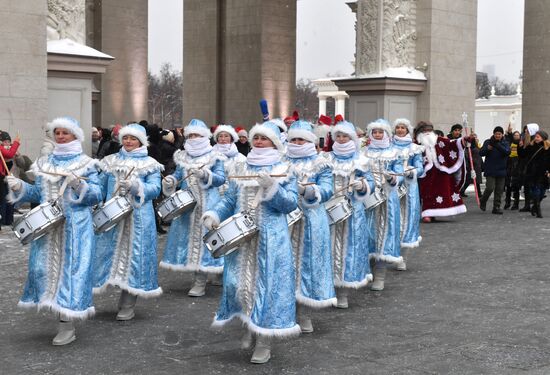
379	124
68	123
270	130
406	122
135	130
197	127
302	129
347	128
241	132
228	129
324	120
280	123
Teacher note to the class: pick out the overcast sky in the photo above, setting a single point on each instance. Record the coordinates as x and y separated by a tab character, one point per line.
326	37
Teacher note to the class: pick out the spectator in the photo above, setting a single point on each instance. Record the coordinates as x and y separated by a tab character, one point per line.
8	151
456	132
478	166
537	169
242	144
166	152
113	145
513	175
529	131
96	140
496	151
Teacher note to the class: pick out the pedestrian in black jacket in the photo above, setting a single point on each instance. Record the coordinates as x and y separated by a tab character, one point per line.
537	167
496	151
513	174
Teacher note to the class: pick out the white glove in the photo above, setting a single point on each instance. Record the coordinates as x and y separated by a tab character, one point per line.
473	174
309	192
168	185
73	181
14	183
265	180
301	189
131	185
209	220
199	173
359	185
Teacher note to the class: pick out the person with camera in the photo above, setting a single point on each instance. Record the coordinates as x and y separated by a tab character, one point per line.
496	151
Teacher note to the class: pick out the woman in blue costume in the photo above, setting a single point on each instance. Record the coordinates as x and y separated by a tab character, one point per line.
60	275
311	235
348	238
384	220
126	256
200	169
259	278
411	154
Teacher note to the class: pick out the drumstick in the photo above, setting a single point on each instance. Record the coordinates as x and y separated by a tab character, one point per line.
63	175
5	165
307	183
189	174
127	175
257	176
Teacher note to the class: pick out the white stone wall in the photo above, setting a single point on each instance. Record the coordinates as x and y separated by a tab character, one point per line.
23	71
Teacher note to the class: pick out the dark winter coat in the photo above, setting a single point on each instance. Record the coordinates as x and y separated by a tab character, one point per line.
243	148
495	159
537	164
166	150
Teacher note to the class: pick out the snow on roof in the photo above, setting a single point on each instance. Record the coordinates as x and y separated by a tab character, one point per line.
403	72
70	47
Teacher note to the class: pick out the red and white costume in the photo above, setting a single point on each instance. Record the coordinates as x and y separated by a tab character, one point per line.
444	172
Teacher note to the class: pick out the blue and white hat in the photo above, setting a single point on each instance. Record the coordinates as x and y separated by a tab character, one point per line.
227	129
280	123
406	122
197	127
68	123
270	130
379	124
302	129
135	130
347	128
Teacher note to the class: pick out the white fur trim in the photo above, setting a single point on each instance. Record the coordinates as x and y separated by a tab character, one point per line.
208	183
195	129
280	124
267	194
301	133
211	214
124	286
82	190
62	122
228	129
339	128
406	122
14	197
190	268
410	245
450	211
386	258
316	201
128	130
267	132
354	284
366	190
64	313
267	332
305	301
379	125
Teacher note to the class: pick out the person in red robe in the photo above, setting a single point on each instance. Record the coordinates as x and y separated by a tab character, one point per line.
444	173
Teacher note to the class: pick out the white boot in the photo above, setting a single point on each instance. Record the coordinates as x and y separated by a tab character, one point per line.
247	340
66	334
402	266
126	306
379	276
342	298
199	286
262	351
306	326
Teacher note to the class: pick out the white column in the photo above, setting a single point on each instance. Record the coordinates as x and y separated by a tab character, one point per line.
322	104
340	104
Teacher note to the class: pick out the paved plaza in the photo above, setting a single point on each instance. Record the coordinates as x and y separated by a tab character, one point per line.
475	300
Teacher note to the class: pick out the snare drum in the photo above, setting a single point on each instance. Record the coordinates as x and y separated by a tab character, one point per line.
402	191
338	209
176	204
232	232
375	199
39	221
112	212
294	216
